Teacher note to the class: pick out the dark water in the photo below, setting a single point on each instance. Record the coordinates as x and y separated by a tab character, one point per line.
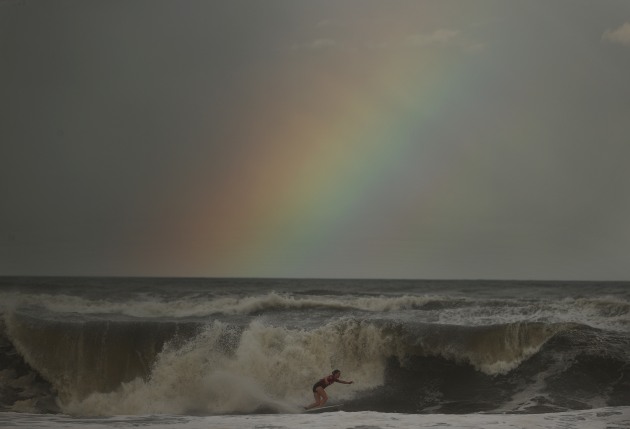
238	346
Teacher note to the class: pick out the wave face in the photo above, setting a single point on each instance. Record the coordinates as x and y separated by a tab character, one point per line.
146	346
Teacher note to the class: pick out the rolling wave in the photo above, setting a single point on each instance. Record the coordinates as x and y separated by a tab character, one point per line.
141	367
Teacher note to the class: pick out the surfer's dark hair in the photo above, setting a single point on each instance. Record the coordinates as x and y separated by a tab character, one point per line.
336	371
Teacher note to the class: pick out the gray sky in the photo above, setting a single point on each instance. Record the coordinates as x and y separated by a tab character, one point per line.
403	139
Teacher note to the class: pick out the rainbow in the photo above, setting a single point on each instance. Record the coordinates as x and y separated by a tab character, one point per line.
316	163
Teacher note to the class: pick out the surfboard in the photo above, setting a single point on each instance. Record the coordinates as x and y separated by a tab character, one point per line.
324	409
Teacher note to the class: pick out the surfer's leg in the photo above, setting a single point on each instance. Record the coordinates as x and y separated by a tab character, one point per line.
314	404
323	397
320	398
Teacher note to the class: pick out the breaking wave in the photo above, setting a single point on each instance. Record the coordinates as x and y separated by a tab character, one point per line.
103	367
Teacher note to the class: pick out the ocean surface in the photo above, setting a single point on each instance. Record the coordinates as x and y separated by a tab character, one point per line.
237	353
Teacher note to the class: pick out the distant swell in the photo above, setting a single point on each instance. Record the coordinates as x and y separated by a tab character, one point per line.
602	312
272	301
103	367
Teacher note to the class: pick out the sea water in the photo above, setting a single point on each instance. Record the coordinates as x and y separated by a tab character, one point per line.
117	352
604	418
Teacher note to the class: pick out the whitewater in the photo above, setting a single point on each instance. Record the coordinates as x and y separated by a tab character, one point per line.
124	352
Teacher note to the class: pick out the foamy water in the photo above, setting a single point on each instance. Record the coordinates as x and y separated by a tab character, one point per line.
604	418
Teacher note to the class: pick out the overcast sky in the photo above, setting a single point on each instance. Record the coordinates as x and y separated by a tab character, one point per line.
474	139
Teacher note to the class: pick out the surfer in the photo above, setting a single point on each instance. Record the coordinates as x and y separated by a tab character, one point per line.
318	388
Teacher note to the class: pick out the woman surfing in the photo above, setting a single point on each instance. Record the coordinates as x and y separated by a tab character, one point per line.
318	389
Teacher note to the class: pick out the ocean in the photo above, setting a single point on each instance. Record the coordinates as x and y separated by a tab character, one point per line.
244	353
